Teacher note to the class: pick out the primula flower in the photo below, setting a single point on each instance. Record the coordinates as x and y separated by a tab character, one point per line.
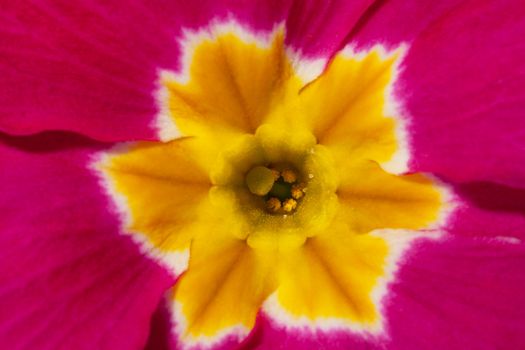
262	175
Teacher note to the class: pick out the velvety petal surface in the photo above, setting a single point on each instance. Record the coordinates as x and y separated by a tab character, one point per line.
462	84
319	28
385	21
269	335
86	66
68	279
489	210
469	292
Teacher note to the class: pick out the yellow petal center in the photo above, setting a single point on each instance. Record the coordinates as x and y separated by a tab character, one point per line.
278	191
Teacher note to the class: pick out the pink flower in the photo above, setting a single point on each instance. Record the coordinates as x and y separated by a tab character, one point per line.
395	124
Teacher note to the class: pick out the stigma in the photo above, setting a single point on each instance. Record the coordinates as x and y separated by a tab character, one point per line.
280	188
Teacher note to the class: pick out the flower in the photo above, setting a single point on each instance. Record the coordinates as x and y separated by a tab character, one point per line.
225	188
263	175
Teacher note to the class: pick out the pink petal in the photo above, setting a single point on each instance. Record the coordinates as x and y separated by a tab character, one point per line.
459	294
319	28
394	22
467	108
68	279
268	335
463	84
489	210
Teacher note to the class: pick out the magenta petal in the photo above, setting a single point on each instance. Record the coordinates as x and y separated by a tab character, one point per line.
83	67
489	210
319	28
269	335
459	294
463	87
394	22
68	279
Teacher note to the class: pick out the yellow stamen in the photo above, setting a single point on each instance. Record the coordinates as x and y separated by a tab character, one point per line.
297	191
260	180
273	204
289	176
289	205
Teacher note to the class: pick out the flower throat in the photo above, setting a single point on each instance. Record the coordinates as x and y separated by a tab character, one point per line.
279	185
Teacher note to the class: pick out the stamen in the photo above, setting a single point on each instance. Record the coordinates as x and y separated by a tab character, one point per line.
289	205
273	204
260	180
289	176
298	190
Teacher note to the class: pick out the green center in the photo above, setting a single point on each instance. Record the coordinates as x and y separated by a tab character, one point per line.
281	190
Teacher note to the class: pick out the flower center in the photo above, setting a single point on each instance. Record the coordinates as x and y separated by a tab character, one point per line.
275	181
279	185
